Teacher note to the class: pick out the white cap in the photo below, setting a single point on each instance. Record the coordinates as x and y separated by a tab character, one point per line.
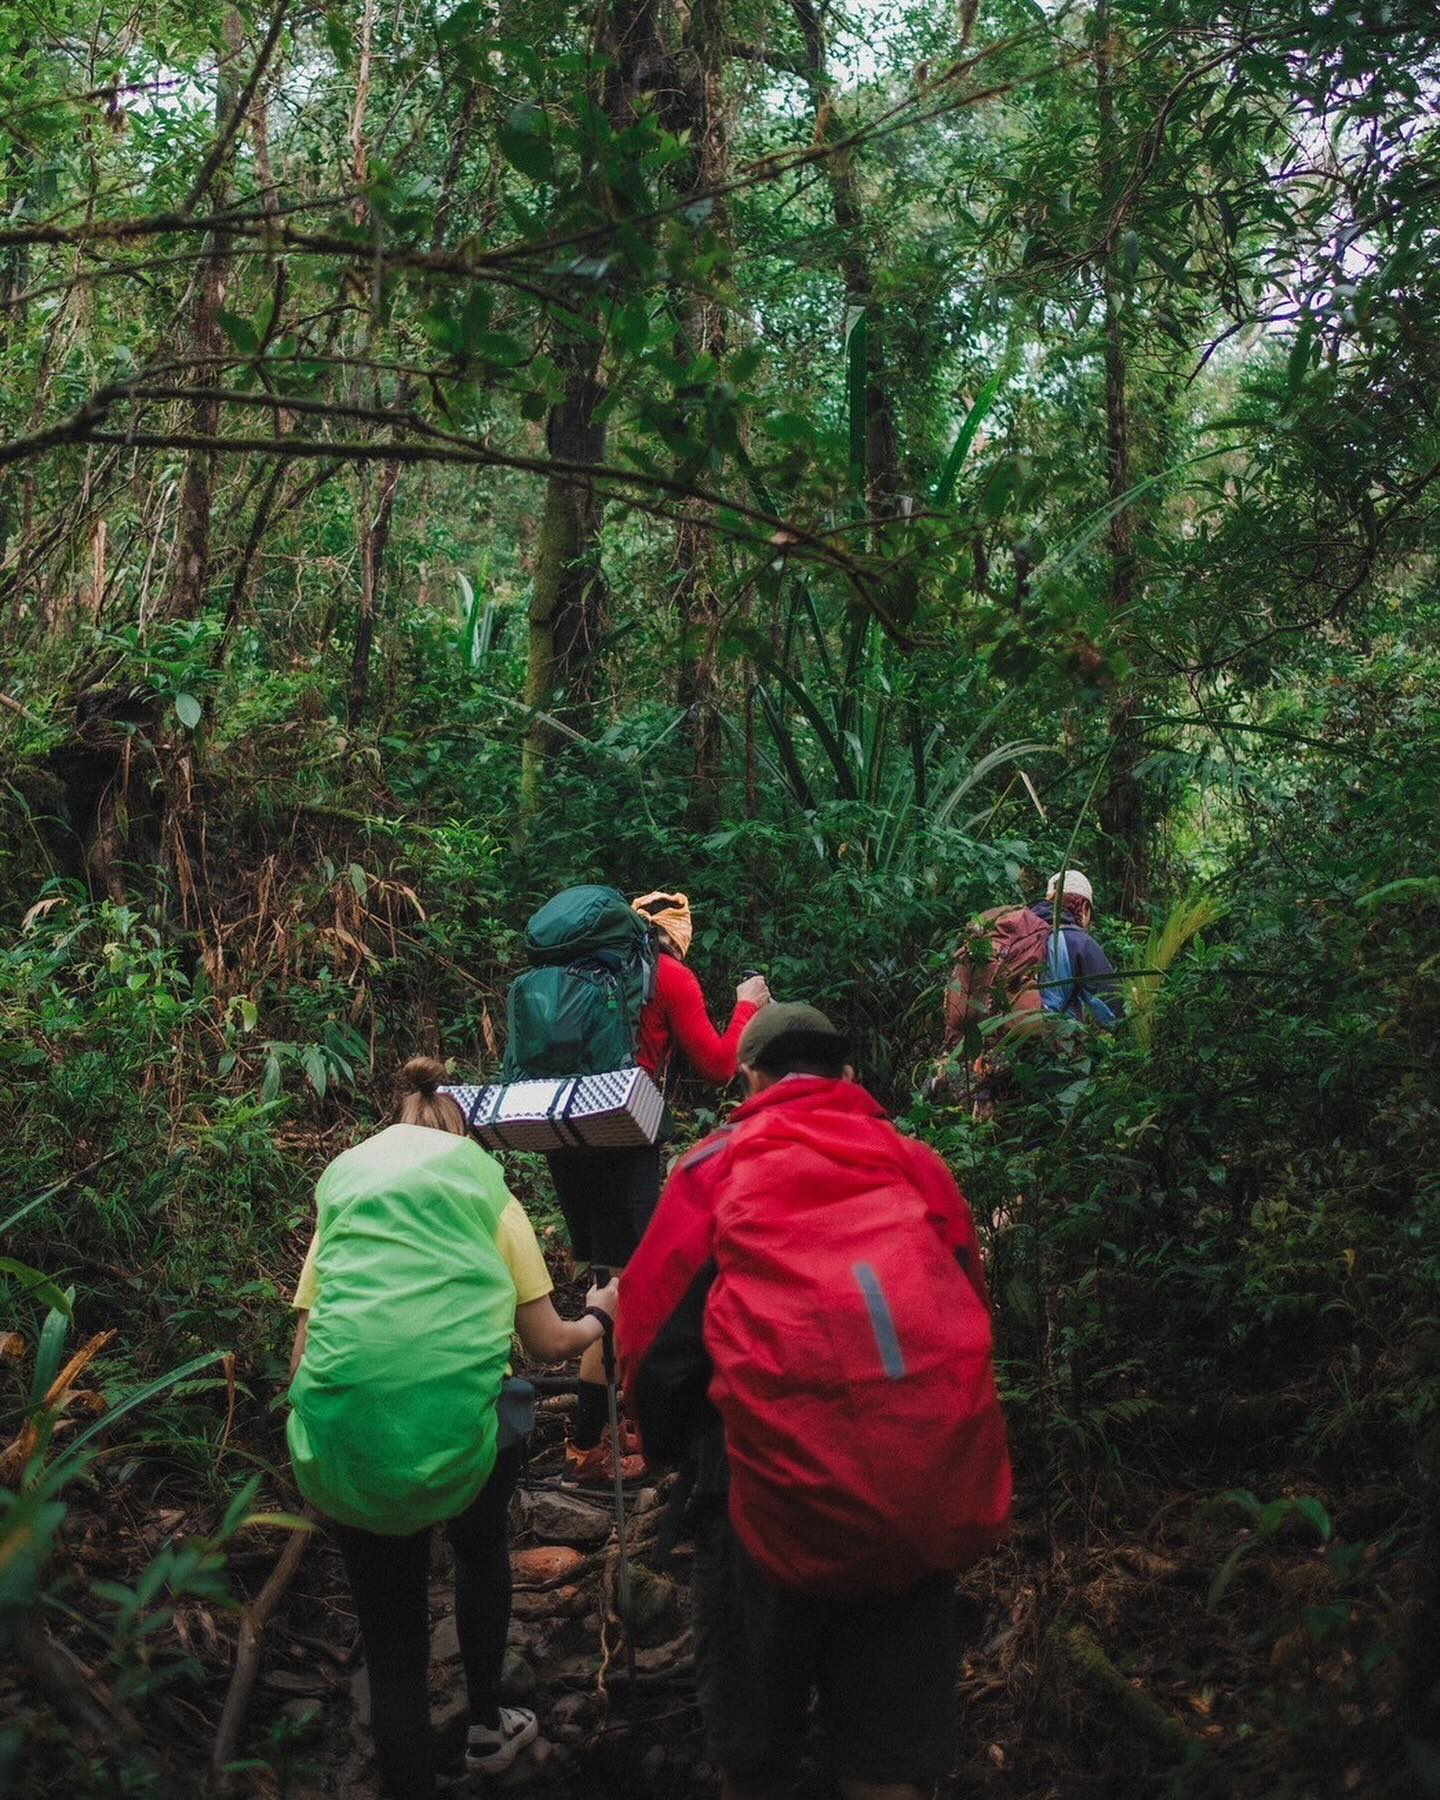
1076	886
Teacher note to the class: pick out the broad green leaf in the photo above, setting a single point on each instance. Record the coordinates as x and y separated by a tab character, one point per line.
1408	887
789	428
50	1350
1130	254
528	153
497	347
999	489
241	333
189	710
118	1411
339	38
964	438
475	317
316	1069
35	1285
857	391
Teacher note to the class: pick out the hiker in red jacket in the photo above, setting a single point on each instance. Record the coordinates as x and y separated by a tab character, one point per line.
805	1325
608	1196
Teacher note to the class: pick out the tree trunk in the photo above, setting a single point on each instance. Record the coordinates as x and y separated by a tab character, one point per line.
567	601
567	598
191	577
1121	811
374	536
14	279
706	117
880	477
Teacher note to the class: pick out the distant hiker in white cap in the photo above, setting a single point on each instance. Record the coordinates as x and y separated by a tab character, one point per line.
1013	968
1096	987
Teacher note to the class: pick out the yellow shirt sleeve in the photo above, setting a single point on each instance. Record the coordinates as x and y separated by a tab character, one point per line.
308	1286
515	1240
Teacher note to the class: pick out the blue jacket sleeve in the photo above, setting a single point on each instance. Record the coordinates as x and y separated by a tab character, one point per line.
1094	971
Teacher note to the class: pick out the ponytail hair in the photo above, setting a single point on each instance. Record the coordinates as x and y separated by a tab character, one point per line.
421	1102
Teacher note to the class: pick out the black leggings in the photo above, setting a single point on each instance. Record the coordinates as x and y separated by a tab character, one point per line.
390	1580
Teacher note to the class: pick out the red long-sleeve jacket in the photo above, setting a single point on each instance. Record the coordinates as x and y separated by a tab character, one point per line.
676	1014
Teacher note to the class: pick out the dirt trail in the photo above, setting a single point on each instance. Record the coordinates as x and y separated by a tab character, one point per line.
1095	1667
566	1658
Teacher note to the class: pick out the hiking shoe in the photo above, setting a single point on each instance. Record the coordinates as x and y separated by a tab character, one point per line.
491	1748
595	1468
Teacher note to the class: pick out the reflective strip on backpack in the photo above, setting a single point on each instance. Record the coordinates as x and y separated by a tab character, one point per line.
887	1342
711	1147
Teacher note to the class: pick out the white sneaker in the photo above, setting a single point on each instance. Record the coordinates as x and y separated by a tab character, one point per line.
490	1750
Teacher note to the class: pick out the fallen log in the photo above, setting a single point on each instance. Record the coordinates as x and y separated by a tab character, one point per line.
1093	1670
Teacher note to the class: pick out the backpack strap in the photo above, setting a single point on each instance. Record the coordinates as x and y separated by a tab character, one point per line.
1059	990
647	952
496	1099
559	1115
1063	988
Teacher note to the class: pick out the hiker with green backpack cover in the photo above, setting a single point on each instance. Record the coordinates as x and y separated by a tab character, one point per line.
608	988
402	1416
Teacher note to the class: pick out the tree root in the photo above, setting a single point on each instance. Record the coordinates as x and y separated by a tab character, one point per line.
95	1716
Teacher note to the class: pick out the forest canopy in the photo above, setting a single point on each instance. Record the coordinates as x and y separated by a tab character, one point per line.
842	459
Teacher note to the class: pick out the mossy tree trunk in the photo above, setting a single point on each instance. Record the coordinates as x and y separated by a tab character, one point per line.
880	475
567	598
705	116
1122	815
190	578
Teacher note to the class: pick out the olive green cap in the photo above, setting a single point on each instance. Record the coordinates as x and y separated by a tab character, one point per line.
790	1019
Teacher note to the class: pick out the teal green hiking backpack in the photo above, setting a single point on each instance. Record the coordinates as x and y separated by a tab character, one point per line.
577	1010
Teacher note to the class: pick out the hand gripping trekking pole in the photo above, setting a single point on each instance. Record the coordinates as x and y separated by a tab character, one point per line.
622	1586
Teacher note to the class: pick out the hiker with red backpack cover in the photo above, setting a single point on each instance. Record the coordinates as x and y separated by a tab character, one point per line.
805	1324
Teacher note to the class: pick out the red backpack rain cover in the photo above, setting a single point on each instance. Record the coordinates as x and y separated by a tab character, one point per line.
851	1350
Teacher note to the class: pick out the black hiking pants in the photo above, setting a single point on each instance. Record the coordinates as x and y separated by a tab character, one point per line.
390	1580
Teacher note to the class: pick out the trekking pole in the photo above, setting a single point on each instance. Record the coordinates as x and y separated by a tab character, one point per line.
622	1586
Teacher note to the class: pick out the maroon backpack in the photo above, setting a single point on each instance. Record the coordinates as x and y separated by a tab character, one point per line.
997	972
851	1353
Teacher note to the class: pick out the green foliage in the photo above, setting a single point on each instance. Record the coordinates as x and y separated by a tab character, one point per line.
993	437
1187	919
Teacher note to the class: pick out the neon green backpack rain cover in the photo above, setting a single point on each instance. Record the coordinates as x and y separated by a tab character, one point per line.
392	1423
